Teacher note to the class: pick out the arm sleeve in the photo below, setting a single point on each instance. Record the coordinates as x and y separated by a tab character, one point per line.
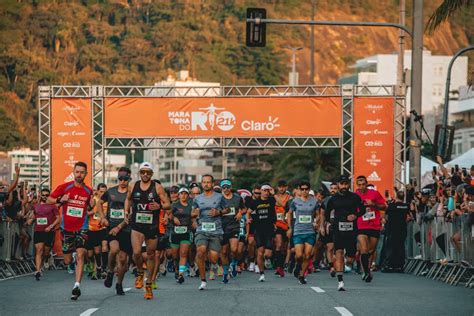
58	192
360	207
327	210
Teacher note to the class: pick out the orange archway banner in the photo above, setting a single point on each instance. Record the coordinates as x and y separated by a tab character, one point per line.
223	117
374	141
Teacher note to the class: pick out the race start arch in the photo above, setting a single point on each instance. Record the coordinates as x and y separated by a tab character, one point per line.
367	124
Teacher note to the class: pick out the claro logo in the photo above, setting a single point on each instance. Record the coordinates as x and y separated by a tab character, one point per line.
212	118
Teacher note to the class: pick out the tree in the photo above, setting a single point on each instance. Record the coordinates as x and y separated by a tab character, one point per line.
445	11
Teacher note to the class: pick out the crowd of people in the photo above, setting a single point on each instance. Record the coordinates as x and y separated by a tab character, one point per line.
213	230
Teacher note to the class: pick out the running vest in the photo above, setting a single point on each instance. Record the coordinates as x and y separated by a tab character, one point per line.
141	200
280	213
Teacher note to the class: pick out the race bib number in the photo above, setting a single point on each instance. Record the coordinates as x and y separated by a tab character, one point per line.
74	211
42	221
117	213
231	213
346	226
208	227
180	229
280	216
368	216
144	218
305	219
96	216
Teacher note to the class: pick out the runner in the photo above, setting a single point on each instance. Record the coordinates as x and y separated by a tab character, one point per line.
282	199
96	245
208	207
326	232
250	227
231	227
118	231
342	211
145	198
264	218
46	217
194	191
181	235
75	198
305	209
369	225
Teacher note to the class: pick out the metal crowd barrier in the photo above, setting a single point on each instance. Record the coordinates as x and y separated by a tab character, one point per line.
10	250
432	252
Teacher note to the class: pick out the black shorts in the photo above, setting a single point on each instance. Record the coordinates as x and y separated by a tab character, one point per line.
346	240
163	243
326	239
371	233
233	234
243	239
124	239
73	240
95	238
281	231
149	231
264	238
252	229
176	240
44	237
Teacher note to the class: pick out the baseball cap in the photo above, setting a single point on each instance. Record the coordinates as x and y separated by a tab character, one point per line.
226	182
426	191
174	189
193	185
183	189
266	187
145	165
282	183
343	178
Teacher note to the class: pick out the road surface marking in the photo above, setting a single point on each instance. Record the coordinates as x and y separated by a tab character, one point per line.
318	289
343	311
89	312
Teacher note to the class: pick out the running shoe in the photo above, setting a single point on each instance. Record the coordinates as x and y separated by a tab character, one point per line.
368	279
332	273
262	278
347	269
94	276
252	267
148	292
225	279
192	271
119	289
364	276
153	285
220	271
76	292
285	267
280	272
170	266
233	266
38	276
340	286
139	280
212	275
203	285
268	264
302	280
109	278
181	279
70	268
257	269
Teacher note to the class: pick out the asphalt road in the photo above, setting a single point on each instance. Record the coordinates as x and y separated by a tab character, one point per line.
388	294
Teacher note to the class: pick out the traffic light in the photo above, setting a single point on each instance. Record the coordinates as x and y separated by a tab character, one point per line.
255	35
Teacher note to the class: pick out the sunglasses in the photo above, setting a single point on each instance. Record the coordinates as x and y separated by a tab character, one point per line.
257	193
147	172
124	178
226	186
44	195
304	189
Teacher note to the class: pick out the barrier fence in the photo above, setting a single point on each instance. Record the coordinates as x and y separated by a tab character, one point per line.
441	249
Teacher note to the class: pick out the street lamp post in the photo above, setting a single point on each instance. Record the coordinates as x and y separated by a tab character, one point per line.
293	64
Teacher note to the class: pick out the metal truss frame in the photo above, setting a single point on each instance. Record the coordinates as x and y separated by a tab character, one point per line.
100	143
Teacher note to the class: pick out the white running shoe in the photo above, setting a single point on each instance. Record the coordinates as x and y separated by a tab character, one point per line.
202	286
252	267
268	263
192	271
262	278
340	286
257	269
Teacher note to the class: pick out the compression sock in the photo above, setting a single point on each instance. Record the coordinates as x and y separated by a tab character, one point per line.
364	258
226	269
339	276
105	259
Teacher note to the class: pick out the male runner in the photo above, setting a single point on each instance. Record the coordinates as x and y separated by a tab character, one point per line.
369	225
231	227
250	227
264	218
305	209
75	198
282	199
326	232
46	217
208	207
118	231
342	211
145	198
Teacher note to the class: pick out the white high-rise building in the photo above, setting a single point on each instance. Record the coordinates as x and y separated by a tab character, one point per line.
381	69
462	118
28	161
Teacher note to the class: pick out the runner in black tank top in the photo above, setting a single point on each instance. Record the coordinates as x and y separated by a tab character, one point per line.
145	199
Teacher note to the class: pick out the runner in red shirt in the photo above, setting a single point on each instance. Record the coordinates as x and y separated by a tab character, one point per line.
369	225
75	199
46	217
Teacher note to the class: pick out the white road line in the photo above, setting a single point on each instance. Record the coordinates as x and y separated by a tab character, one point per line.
318	289
343	311
88	312
127	289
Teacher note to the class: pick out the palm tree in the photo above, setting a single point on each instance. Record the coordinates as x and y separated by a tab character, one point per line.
445	11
